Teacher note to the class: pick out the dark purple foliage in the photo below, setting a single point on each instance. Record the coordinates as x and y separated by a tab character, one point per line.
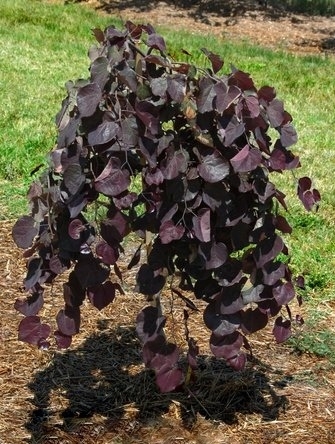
198	146
282	329
24	231
32	331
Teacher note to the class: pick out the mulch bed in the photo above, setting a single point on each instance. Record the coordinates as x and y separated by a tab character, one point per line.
98	391
243	20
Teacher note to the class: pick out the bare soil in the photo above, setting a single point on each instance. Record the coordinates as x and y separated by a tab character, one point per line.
98	391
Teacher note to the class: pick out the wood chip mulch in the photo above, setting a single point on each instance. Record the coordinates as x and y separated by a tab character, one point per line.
99	392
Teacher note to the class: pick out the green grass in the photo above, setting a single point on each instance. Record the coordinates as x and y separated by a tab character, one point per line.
44	44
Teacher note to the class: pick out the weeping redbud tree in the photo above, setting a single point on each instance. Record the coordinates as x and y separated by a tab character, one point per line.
179	155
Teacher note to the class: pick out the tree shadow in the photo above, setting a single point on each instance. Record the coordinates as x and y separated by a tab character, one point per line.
104	376
199	9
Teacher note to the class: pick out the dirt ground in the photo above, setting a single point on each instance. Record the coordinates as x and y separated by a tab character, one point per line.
248	20
98	390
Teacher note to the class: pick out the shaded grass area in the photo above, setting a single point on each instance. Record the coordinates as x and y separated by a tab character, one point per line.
45	44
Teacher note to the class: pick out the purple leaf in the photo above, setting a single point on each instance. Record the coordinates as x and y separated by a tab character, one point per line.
125	200
253	320
99	71
24	231
282	329
174	164
227	346
202	225
98	34
101	295
213	167
62	341
220	324
156	41
113	180
225	95
288	135
169	232
232	131
56	265
267	93
74	178
148	114
159	86
246	160
34	272
242	80
216	60
68	321
275	113
108	254
31	305
206	288
216	256
273	272
128	76
129	131
268	249
229	273
73	293
104	133
284	293
308	196
252	294
176	87
115	228
134	30
90	271
238	362
75	228
32	331
164	354
206	95
281	159
88	98
300	282
169	380
114	35
157	60
149	324
148	283
252	104
230	300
